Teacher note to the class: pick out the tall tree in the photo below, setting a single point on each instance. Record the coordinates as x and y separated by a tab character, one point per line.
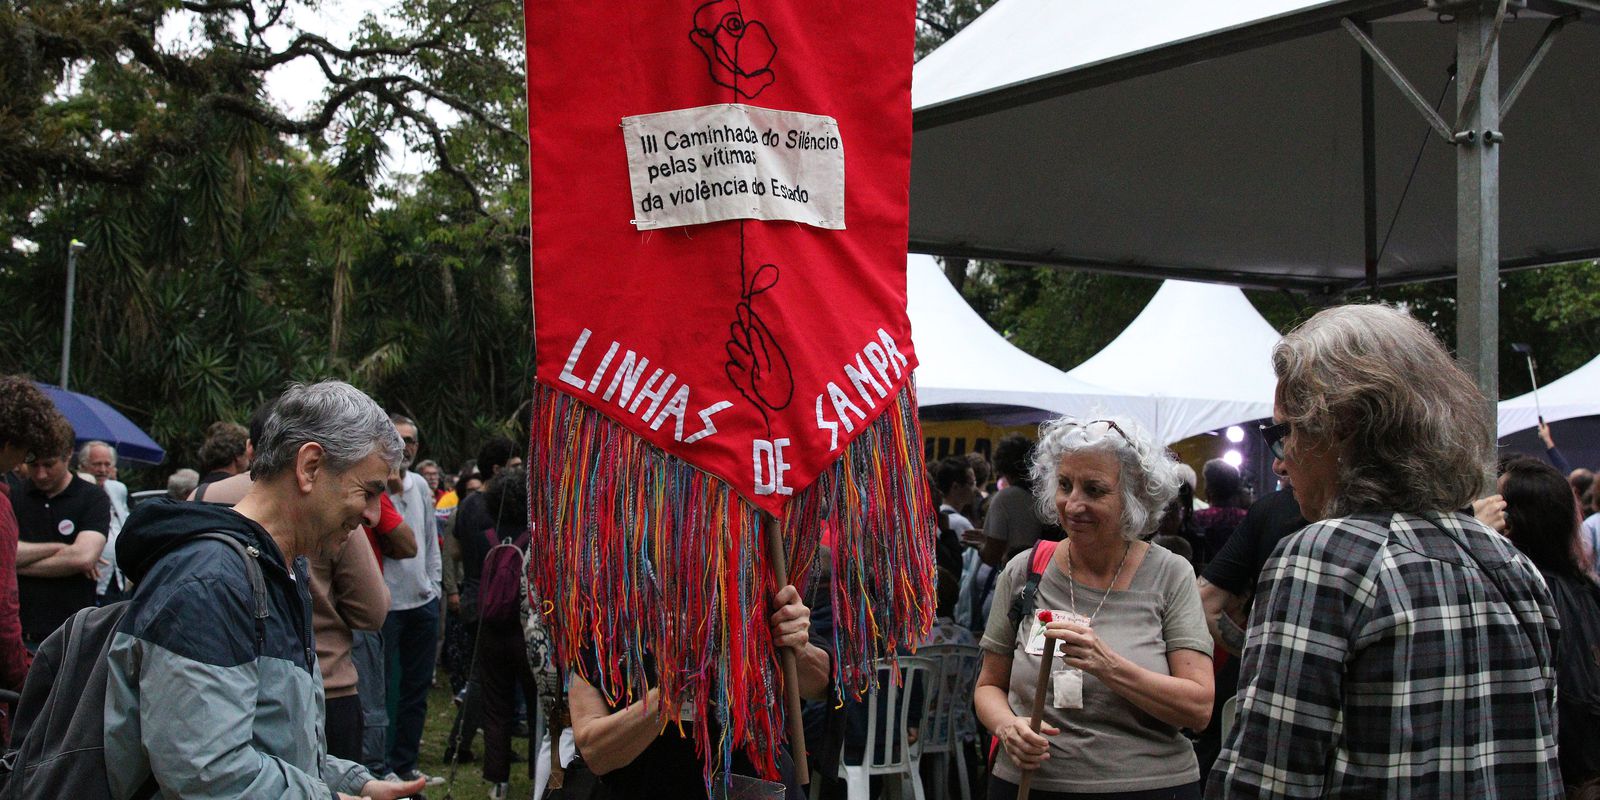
233	246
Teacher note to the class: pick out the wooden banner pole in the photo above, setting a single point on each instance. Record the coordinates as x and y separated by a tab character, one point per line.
1040	687
786	655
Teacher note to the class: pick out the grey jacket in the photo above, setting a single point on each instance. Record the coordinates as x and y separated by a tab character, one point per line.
192	696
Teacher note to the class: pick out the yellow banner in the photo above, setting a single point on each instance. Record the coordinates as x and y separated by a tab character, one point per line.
959	437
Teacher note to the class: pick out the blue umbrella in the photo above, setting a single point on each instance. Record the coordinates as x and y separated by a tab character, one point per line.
93	420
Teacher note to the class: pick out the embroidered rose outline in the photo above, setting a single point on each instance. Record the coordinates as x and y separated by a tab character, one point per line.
739	52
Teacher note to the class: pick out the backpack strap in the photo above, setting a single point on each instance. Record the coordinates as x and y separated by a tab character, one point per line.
200	493
258	582
1022	606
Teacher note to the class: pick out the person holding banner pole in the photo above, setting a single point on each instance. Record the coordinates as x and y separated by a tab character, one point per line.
636	750
1125	616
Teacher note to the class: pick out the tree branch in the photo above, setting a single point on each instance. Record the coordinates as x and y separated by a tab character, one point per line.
223	5
441	152
225	79
944	30
307	44
466	108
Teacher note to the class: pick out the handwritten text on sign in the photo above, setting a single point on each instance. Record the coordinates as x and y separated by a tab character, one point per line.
733	161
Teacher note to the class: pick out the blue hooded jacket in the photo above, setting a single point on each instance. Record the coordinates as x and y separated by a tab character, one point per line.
191	698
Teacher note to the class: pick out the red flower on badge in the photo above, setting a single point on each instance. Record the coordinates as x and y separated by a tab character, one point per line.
738	51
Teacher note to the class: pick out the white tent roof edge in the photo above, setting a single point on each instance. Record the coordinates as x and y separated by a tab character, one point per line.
962	360
1577	394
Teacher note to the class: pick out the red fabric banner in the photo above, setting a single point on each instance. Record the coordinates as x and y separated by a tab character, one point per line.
719	224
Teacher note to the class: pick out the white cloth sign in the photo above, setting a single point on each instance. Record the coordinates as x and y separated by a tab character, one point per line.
733	161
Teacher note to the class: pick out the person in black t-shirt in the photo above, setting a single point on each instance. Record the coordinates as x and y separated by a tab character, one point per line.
1226	588
627	747
62	521
1230	579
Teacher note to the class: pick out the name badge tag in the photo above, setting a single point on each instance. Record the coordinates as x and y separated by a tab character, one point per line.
1068	688
1034	644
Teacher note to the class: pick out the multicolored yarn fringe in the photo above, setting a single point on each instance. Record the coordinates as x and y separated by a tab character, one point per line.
637	552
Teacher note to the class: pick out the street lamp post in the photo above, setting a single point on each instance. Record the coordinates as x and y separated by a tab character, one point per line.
73	250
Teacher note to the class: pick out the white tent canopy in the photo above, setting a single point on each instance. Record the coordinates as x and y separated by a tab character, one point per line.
1201	351
962	361
1575	395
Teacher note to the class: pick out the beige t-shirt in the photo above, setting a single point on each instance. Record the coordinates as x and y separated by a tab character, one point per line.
1108	745
1014	519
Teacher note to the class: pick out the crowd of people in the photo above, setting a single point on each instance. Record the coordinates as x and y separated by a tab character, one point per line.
1403	616
348	528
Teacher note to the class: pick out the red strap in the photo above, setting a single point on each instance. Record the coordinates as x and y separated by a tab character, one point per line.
1042	551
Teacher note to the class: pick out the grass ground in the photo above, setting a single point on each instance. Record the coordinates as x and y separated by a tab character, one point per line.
469	783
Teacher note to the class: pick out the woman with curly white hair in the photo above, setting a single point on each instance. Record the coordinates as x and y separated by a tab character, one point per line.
1135	658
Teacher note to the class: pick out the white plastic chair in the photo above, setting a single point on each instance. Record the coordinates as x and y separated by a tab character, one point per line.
950	723
1230	714
889	714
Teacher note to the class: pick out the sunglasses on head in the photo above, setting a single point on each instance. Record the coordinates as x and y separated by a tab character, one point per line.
1274	435
1110	426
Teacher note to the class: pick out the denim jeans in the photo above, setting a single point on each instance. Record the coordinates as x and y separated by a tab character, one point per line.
410	643
366	650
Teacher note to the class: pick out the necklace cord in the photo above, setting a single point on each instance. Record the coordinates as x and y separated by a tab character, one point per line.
1072	594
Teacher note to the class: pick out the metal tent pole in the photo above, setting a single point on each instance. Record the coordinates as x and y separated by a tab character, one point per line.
1478	198
1369	167
1477	138
73	249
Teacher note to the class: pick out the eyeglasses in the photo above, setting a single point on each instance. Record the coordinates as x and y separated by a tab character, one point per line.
409	439
1274	435
1110	426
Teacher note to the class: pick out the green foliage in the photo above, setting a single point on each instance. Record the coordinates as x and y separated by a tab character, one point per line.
1555	310
1059	317
231	249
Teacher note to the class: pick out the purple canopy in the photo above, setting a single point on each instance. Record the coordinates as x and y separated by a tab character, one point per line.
93	420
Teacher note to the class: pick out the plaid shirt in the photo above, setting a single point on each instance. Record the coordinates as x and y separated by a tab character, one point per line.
1384	660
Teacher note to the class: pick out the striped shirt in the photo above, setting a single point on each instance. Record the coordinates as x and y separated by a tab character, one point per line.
1396	657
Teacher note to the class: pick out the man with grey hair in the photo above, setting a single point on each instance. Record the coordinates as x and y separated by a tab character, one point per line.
100	460
411	632
213	688
181	483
